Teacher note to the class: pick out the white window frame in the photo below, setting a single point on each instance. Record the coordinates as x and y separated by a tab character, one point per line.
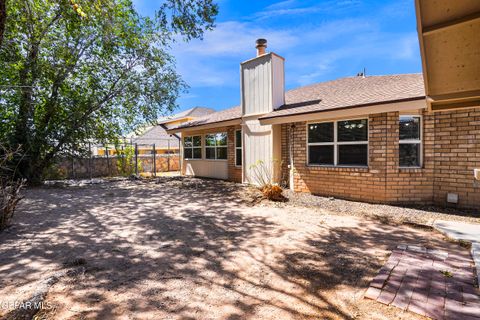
193	147
337	143
215	147
237	147
412	141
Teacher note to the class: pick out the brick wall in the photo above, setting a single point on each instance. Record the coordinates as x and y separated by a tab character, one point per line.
234	172
457	153
451	150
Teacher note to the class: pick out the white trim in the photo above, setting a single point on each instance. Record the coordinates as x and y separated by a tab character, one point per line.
192	147
335	143
237	148
412	141
215	147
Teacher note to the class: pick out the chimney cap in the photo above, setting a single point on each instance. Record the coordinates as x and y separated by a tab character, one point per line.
261	42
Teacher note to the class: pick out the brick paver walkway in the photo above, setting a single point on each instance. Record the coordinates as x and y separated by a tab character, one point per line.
432	283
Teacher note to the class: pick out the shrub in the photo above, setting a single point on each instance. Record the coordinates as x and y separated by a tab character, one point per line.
126	160
262	174
273	192
10	186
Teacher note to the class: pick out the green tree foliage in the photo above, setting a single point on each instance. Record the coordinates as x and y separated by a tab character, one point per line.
3	19
73	71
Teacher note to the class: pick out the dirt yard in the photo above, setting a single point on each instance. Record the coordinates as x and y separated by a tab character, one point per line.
195	249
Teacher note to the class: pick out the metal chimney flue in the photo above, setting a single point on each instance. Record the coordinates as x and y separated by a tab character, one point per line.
261	45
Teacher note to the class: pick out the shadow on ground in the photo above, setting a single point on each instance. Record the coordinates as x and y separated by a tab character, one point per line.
194	249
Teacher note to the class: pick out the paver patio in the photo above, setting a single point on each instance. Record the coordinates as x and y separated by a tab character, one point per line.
435	283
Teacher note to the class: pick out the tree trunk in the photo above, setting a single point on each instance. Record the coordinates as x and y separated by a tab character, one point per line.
3	19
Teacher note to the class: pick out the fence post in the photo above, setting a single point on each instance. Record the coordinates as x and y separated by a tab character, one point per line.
108	161
154	161
90	159
168	155
73	168
136	159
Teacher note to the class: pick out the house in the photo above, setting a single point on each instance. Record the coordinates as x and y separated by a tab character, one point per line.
147	137
366	138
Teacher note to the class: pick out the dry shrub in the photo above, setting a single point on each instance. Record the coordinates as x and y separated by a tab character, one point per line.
9	187
273	192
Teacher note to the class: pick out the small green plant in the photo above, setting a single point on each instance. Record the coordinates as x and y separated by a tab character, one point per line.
125	160
446	273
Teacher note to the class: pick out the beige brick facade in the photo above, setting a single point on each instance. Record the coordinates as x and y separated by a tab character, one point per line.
451	150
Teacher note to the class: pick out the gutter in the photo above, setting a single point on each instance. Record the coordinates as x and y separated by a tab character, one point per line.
210	125
359	109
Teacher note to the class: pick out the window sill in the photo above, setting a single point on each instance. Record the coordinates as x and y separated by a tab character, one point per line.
338	168
410	169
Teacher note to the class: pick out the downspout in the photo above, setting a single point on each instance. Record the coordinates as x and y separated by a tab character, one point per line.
291	156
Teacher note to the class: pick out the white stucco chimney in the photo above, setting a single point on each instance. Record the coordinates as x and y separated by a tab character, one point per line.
262	81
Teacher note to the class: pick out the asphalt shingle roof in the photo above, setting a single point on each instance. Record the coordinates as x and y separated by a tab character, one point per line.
156	135
342	93
220	116
351	92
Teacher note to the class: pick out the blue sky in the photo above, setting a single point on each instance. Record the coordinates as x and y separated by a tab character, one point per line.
320	40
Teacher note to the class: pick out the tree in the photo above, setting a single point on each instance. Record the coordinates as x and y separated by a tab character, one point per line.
3	19
74	71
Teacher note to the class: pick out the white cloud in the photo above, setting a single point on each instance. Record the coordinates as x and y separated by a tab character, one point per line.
293	7
233	38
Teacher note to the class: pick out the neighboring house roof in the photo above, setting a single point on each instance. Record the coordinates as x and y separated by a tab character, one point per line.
351	92
342	93
149	135
190	113
220	116
156	135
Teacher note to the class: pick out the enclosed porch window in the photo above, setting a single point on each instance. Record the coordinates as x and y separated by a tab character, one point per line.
216	146
192	147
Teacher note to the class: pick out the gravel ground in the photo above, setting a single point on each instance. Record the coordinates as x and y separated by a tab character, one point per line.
424	215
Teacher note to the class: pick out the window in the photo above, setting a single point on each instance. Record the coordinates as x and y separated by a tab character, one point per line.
343	143
192	147
410	139
216	146
238	147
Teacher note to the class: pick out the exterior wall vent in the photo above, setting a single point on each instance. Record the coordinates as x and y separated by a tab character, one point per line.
452	198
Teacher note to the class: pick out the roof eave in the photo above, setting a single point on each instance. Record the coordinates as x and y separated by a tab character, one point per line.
414	103
211	125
